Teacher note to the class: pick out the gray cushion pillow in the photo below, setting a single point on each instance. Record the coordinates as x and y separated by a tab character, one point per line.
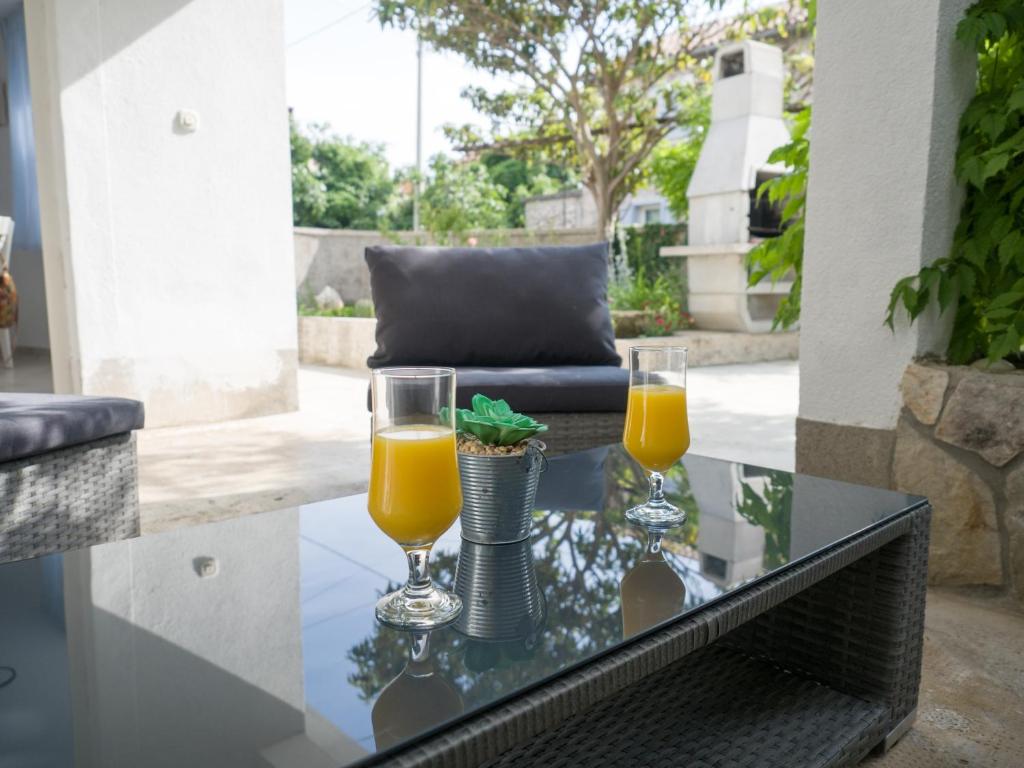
539	306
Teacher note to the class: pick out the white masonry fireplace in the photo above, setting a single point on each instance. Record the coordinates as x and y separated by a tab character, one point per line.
726	220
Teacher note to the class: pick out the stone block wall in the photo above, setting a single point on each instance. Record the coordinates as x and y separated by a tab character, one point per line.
960	442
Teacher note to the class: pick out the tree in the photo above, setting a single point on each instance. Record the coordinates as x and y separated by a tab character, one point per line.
337	183
460	197
309	199
523	177
672	163
608	76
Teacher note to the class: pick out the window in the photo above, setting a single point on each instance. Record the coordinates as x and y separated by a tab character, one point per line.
650	214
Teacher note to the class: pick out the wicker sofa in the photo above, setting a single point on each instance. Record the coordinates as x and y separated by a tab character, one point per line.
529	325
68	472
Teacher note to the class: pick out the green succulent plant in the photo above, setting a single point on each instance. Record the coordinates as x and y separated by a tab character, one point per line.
493	422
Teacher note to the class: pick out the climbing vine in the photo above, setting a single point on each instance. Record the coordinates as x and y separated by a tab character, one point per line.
983	275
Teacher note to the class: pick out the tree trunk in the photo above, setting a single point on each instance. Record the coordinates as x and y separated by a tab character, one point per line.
606	212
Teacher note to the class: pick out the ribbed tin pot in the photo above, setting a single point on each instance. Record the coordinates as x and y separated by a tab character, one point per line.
498	494
500	597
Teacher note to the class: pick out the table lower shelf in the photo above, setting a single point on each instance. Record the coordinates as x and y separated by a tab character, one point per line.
716	708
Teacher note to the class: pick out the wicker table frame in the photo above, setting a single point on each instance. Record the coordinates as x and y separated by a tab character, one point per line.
814	666
71	498
572	432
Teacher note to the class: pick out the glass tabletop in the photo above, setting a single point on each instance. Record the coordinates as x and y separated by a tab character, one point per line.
252	642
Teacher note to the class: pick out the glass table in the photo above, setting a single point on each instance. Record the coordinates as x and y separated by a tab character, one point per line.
784	615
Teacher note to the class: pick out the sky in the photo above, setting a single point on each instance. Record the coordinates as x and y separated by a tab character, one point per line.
362	80
343	69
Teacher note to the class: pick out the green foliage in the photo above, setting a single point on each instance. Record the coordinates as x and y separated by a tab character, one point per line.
782	257
772	510
642	246
493	422
308	308
601	89
661	296
672	164
337	183
460	197
521	177
983	275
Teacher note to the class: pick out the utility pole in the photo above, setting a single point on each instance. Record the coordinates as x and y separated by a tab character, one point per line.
419	135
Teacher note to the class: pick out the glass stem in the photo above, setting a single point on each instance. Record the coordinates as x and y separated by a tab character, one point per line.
654	538
657	481
419	573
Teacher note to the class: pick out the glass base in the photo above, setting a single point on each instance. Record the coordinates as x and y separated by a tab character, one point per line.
656	514
424	609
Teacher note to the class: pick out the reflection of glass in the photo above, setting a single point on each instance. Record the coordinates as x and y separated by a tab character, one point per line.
415	701
414	483
657	432
652	592
498	587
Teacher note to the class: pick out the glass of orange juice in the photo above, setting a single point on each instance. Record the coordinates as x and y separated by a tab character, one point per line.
657	433
415	494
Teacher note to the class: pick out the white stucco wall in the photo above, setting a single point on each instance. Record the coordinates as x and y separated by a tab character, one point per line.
882	198
170	252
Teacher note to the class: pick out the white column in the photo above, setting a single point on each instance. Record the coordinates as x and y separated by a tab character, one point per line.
890	84
168	246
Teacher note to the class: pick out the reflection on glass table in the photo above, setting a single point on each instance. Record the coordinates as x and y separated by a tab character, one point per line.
415	701
652	592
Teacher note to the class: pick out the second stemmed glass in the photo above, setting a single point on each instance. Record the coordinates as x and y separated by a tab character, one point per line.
415	494
657	432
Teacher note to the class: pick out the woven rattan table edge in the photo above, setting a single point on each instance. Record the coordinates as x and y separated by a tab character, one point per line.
488	734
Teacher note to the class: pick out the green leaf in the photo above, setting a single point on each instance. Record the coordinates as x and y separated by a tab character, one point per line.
1016	100
1006	299
965	275
1009	246
993	165
999	314
947	291
992	124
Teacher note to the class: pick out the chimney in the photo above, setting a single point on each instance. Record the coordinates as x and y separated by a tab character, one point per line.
746	125
725	217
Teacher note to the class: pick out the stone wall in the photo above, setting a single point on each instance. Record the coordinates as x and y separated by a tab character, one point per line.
568	209
960	442
348	341
334	257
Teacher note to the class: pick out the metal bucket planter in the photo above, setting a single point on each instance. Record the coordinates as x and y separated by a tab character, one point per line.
498	494
500	596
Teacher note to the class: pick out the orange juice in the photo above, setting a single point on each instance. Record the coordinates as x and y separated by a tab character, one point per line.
657	433
415	494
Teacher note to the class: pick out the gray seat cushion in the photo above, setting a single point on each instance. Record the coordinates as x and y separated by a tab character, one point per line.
32	423
558	389
491	306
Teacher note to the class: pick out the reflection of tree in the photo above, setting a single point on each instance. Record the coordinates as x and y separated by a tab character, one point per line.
580	557
771	509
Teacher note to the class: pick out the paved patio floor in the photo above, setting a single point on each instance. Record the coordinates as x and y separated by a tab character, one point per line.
206	472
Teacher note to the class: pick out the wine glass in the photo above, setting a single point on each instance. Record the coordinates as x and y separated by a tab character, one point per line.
415	494
657	433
